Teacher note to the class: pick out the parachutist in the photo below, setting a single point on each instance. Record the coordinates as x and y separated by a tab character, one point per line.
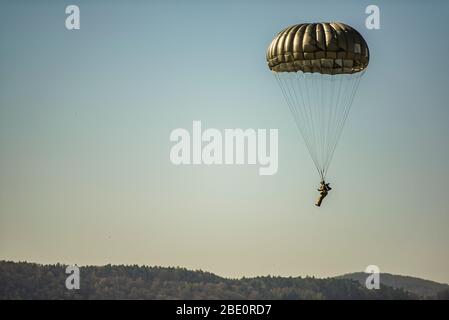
323	189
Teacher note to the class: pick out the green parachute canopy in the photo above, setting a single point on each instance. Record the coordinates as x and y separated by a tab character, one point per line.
327	48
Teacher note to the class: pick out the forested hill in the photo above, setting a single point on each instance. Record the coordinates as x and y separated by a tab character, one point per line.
420	287
22	280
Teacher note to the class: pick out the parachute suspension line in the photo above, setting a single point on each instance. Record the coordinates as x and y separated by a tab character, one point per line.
320	104
336	114
331	108
303	115
354	80
307	122
322	86
318	95
325	107
334	126
288	97
308	119
283	84
301	121
317	103
334	108
308	87
300	113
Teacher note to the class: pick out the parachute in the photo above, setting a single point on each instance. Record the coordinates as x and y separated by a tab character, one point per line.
318	67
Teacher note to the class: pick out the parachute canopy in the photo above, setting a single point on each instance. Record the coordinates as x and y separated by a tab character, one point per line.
318	67
326	48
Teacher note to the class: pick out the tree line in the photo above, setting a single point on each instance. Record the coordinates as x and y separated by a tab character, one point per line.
23	280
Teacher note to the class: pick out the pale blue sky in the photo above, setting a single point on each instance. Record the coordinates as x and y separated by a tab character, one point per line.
85	118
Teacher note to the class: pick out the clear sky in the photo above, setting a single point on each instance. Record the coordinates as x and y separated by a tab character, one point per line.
85	119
